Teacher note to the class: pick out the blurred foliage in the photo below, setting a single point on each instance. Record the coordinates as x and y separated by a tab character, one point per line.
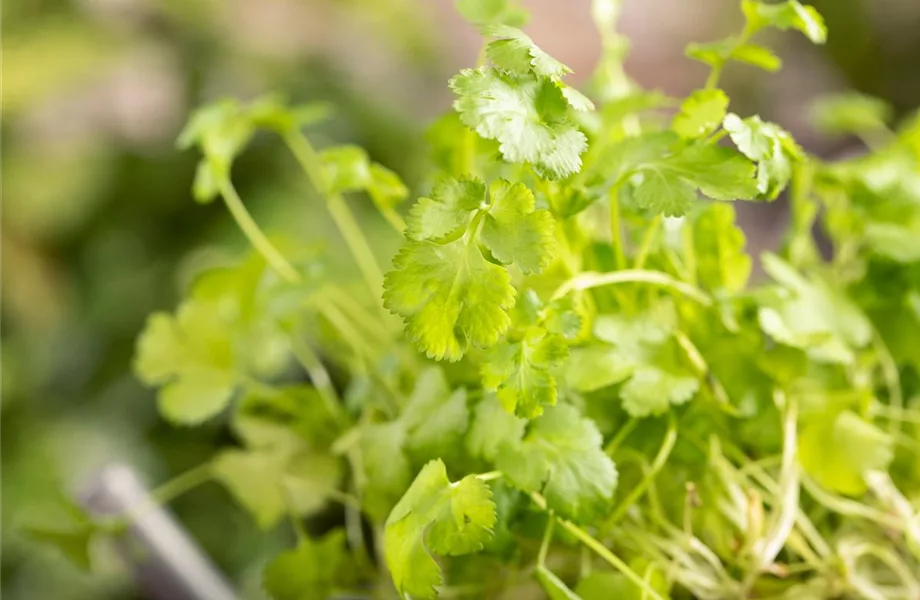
98	231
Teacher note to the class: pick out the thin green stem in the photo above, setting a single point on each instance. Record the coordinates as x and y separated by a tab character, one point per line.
164	494
664	452
182	483
589	280
621	435
319	376
547	537
616	228
648	239
588	540
311	163
254	234
892	381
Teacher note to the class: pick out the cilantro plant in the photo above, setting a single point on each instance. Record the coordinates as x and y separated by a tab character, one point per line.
565	378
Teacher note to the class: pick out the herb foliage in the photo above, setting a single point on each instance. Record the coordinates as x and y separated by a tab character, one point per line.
586	391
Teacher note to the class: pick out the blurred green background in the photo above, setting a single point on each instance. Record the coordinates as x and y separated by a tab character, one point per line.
99	229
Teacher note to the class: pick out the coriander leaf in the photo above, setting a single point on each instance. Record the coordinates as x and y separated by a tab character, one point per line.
311	570
349	169
516	53
851	113
897	241
345	168
526	115
652	390
447	210
645	351
663	192
437	425
221	130
786	15
720	173
701	113
435	516
756	55
72	536
385	187
554	587
521	373
562	316
576	99
719	246
632	333
449	296
811	315
839	452
772	148
386	468
516	233
191	355
717	53
562	457
270	482
491	426
199	394
596	367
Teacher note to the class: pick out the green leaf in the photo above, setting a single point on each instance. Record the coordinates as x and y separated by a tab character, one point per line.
190	354
601	585
646	352
435	516
271	482
554	587
314	569
449	296
514	52
385	187
838	452
491	426
345	168
73	541
700	114
897	241
522	373
437	425
196	396
225	331
562	457
663	192
812	315
851	113
718	172
671	172
786	15
386	467
448	210
516	233
596	367
349	169
772	148
717	53
651	390
719	245
526	115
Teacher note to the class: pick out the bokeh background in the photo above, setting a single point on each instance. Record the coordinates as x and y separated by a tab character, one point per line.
99	228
